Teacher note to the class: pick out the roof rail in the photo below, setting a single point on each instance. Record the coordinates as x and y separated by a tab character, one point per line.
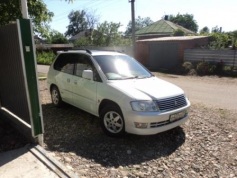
88	51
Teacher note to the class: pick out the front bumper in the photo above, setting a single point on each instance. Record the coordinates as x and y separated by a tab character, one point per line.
156	122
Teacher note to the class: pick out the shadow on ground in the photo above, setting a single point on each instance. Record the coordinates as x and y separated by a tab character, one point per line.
69	129
10	137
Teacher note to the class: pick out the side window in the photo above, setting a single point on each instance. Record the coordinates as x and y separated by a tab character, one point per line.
64	63
84	63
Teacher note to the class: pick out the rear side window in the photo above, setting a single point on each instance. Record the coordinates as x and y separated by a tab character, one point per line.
65	63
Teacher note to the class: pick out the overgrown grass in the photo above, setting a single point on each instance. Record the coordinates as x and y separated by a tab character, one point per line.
45	58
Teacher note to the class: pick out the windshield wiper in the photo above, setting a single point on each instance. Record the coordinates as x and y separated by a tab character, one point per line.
125	78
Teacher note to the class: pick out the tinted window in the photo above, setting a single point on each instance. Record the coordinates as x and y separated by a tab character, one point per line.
83	62
65	63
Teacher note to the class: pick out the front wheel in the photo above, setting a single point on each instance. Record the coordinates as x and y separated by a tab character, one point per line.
112	121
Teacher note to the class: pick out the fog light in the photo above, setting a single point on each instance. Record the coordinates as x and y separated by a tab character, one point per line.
141	125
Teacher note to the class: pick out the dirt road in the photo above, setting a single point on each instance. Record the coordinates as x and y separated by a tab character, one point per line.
209	90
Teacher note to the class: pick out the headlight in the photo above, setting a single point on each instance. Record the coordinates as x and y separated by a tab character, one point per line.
144	106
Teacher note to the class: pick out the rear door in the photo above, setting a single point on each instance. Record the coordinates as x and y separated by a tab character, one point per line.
65	67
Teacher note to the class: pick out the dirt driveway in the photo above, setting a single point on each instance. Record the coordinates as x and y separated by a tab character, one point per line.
205	146
212	91
209	90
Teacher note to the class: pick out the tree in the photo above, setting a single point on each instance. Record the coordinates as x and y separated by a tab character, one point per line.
204	30
80	21
216	29
139	23
38	12
234	39
218	40
56	37
185	20
107	34
178	32
83	41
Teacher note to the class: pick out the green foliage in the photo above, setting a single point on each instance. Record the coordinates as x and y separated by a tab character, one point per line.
56	37
233	36
80	21
229	71
187	67
178	32
218	40
108	34
202	68
208	68
139	23
185	20
205	30
212	69
83	41
45	58
216	29
38	12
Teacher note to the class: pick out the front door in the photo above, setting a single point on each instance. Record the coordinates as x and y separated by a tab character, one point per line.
84	90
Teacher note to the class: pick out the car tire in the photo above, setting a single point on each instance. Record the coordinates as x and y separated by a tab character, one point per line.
56	97
112	121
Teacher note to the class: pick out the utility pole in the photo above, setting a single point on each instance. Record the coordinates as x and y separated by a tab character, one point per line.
24	9
133	26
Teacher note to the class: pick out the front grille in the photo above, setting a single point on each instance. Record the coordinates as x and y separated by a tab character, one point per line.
172	103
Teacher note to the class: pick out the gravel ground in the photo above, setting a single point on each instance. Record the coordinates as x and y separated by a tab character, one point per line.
205	146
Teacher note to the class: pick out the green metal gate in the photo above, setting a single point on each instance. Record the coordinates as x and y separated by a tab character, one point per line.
19	96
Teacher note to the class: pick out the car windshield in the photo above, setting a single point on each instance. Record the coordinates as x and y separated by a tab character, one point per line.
121	67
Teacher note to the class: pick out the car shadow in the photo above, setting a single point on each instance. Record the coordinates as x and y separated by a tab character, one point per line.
71	130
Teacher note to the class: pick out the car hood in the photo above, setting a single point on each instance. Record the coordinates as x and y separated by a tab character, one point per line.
146	89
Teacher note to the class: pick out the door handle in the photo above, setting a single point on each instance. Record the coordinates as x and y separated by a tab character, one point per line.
68	80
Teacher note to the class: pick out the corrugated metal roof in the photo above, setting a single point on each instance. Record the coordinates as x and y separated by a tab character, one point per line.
174	38
162	26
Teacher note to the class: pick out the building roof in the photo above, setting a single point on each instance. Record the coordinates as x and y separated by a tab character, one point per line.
162	27
174	38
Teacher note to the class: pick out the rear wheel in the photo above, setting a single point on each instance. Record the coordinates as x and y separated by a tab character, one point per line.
112	121
56	97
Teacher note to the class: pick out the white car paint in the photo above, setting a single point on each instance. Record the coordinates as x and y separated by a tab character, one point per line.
88	95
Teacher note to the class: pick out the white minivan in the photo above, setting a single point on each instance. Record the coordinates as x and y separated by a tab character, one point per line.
119	90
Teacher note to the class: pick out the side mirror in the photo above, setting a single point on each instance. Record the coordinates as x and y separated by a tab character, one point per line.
87	74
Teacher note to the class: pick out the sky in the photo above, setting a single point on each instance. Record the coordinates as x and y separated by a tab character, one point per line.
210	13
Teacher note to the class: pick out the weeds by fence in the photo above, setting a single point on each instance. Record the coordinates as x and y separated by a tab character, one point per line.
228	57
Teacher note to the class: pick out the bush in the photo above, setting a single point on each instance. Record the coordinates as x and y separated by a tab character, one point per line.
212	69
203	68
45	58
206	68
227	70
192	72
186	67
